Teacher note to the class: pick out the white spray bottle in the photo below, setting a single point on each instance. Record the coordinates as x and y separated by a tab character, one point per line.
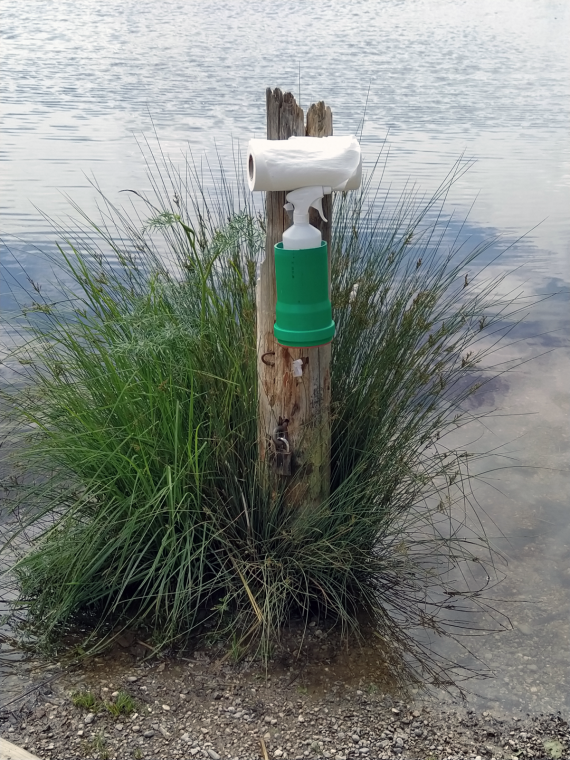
302	234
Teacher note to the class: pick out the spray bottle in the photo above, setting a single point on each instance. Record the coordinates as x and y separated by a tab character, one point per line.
303	310
302	234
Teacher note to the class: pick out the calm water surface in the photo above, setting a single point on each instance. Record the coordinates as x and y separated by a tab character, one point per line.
485	79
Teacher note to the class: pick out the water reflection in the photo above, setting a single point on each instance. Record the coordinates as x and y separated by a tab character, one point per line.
441	79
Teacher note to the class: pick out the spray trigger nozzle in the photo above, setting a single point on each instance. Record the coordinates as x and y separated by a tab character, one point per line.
318	205
304	198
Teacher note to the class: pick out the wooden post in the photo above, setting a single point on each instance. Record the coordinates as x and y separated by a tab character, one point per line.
298	406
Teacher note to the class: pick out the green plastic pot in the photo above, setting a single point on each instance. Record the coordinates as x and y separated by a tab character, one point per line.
303	315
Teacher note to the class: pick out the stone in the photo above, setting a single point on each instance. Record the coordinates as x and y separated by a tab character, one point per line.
132	679
148	734
125	640
214	755
89	718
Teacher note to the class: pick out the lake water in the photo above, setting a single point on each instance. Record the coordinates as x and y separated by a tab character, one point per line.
484	79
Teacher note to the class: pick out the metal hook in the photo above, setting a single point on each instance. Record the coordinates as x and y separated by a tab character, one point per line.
278	439
268	353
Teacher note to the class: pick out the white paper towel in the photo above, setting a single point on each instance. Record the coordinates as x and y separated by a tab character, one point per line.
334	162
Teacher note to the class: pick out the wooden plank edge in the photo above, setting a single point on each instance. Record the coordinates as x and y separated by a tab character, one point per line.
9	751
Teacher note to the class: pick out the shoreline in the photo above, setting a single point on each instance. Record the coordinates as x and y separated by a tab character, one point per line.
199	708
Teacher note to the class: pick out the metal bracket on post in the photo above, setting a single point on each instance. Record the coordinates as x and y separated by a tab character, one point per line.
282	461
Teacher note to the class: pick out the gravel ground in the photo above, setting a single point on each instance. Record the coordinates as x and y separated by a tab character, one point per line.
199	709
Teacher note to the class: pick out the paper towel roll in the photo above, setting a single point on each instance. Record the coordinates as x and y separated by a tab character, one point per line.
303	162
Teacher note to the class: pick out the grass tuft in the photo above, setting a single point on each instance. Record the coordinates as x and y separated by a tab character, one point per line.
86	700
137	410
97	745
123	704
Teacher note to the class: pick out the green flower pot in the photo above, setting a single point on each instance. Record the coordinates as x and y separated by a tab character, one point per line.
303	315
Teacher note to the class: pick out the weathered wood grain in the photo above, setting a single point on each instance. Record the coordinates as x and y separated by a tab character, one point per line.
11	752
303	401
320	124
